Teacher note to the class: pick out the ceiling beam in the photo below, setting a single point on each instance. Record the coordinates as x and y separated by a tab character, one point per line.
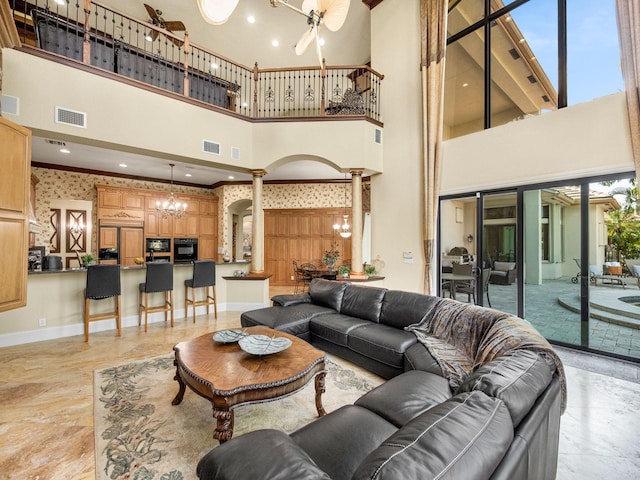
372	3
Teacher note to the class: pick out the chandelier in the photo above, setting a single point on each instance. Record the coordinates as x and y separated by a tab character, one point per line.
345	229
171	207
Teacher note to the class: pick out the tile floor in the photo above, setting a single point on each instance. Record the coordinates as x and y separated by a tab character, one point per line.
46	404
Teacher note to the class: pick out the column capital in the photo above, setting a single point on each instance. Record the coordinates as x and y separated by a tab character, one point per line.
356	171
258	173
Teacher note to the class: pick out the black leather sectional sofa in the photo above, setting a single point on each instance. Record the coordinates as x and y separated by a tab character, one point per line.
472	393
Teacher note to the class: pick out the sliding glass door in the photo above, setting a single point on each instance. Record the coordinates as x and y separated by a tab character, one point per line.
564	256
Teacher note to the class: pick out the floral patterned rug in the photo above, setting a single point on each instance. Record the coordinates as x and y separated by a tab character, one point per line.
139	435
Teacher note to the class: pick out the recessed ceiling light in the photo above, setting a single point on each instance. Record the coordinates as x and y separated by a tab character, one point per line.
60	2
251	19
148	37
231	177
275	42
465	84
123	165
65	150
187	174
214	66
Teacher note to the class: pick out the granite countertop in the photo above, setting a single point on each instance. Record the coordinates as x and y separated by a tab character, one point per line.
132	267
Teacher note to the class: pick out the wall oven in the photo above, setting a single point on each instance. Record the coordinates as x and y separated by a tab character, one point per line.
185	250
158	245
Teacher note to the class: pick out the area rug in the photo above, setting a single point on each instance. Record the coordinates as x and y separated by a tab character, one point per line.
139	435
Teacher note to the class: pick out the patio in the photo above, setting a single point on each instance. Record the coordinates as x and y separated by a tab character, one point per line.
553	308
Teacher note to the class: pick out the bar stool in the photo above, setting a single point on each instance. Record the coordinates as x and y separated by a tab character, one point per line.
103	281
204	276
159	279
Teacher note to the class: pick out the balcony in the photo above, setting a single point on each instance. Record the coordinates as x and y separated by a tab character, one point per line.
109	43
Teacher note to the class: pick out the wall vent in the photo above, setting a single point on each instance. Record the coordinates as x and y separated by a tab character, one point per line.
57	143
210	147
235	153
532	79
71	117
378	136
10	105
514	53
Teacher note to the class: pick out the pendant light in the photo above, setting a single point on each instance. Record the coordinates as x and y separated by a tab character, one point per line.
345	229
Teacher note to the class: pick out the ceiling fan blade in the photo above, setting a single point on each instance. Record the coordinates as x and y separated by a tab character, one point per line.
154	35
176	41
318	49
152	12
176	26
335	13
216	12
305	40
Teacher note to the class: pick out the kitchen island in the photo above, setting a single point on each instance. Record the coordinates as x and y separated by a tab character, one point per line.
55	301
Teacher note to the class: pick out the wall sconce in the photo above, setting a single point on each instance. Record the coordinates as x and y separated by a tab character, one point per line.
76	228
470	238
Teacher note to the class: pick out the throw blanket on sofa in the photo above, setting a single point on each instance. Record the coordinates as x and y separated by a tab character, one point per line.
463	337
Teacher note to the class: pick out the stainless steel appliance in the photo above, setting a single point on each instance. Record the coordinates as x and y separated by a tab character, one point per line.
158	245
185	250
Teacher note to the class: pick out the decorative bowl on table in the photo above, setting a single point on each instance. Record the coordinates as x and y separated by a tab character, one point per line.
229	336
263	344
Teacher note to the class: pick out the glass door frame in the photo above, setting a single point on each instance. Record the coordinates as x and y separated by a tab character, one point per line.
583	183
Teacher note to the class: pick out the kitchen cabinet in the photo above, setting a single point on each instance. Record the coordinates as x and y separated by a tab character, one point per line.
132	200
186	226
131	245
109	198
208	248
108	237
156	225
208	225
15	184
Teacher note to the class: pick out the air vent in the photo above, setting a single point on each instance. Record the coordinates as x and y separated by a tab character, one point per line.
10	104
210	147
532	79
514	53
545	98
235	153
378	136
71	117
55	142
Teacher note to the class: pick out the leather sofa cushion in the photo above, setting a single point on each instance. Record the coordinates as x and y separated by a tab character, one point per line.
401	309
406	396
274	456
338	442
335	327
464	437
327	293
517	379
287	300
363	302
381	342
293	319
417	357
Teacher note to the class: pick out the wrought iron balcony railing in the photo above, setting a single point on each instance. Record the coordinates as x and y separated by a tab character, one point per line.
96	35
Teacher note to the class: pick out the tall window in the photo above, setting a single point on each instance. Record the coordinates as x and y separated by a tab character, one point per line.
510	59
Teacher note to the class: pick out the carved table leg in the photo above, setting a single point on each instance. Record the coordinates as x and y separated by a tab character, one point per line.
320	389
224	424
178	378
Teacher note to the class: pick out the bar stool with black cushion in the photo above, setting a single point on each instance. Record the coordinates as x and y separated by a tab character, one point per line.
204	276
159	280
103	281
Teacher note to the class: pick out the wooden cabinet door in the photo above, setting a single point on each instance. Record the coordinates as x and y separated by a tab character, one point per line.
186	226
157	226
208	225
133	200
15	183
131	245
108	237
109	198
208	248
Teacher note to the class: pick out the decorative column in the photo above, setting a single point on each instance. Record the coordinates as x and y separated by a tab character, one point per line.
356	223
257	227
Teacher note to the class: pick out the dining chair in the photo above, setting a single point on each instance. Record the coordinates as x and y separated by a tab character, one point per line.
204	276
103	281
463	286
303	275
159	279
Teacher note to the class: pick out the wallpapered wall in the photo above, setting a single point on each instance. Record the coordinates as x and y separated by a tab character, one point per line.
60	184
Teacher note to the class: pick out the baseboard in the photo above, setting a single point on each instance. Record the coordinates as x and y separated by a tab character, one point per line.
76	329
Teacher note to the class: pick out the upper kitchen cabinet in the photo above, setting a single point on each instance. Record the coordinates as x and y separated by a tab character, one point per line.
15	185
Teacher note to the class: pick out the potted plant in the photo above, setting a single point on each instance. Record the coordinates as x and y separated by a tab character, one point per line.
88	259
344	271
331	256
369	270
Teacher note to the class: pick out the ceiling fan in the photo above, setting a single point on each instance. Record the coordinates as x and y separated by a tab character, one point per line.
171	26
331	13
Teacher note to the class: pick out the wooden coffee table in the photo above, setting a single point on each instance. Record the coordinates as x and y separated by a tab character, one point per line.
228	377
